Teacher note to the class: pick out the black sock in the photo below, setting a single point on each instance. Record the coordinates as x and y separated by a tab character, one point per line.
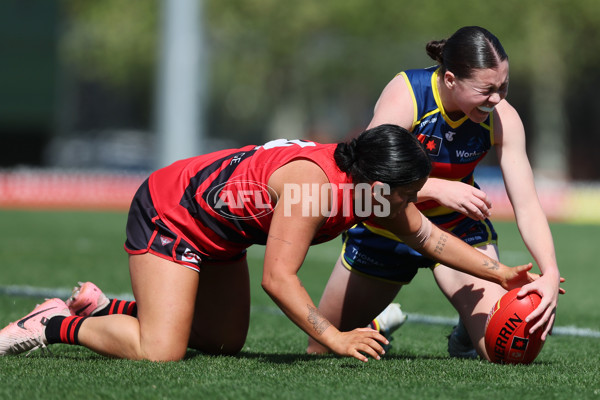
60	329
118	307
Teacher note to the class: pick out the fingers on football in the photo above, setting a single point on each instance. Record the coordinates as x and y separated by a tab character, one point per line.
543	316
549	326
549	316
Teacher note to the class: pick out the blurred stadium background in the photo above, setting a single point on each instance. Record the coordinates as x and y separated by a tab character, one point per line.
94	95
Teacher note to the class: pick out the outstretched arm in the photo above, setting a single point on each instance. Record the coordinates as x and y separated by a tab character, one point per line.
418	232
290	235
531	220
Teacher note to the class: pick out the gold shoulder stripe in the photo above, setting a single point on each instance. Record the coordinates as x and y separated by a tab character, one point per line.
382	232
414	99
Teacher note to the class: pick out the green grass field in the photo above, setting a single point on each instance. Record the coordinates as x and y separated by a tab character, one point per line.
56	249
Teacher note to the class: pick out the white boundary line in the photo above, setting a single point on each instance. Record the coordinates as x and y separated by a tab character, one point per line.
49	293
31	291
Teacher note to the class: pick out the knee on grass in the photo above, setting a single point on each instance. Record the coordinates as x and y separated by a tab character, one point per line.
163	350
163	356
218	341
219	346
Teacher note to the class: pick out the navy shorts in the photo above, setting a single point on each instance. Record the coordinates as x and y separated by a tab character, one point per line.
147	233
371	254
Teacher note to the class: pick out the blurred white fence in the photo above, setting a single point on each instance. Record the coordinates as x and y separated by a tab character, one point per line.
66	189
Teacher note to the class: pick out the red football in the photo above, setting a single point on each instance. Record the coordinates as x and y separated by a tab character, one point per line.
507	338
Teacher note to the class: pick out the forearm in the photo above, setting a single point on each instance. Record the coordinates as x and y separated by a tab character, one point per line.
449	250
430	190
520	187
537	237
418	232
291	297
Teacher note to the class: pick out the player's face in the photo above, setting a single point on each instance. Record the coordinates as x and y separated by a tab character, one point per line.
401	196
478	95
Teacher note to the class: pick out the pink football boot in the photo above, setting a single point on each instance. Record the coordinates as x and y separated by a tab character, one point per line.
86	300
29	333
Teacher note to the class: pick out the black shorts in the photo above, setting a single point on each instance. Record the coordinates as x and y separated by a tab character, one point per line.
147	233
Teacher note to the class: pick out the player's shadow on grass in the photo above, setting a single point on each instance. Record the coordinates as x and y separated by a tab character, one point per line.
292	358
272	358
79	354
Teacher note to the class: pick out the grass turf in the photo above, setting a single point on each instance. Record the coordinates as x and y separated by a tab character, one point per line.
55	249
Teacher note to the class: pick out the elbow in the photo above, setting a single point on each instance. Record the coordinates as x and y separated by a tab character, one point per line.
267	285
271	284
277	285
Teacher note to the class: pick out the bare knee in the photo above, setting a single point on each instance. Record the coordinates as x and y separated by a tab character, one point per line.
164	357
163	350
219	348
219	345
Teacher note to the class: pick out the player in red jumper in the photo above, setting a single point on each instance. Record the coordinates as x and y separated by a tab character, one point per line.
189	226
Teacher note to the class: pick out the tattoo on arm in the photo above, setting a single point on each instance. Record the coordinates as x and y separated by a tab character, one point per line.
318	322
439	247
491	264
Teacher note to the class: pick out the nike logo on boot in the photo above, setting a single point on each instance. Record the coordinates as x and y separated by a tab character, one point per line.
21	323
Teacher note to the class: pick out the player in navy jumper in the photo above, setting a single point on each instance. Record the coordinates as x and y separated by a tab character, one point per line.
458	110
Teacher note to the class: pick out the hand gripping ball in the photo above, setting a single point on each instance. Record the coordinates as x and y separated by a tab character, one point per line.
507	338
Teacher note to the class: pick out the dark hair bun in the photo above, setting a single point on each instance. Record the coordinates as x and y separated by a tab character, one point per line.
347	155
435	50
385	153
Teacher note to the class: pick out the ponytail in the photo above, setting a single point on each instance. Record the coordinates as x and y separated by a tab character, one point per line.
345	155
435	50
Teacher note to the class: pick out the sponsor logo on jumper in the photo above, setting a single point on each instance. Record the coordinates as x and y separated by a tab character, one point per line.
237	159
450	135
463	154
432	144
428	121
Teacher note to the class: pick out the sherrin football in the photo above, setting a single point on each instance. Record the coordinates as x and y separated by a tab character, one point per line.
507	338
